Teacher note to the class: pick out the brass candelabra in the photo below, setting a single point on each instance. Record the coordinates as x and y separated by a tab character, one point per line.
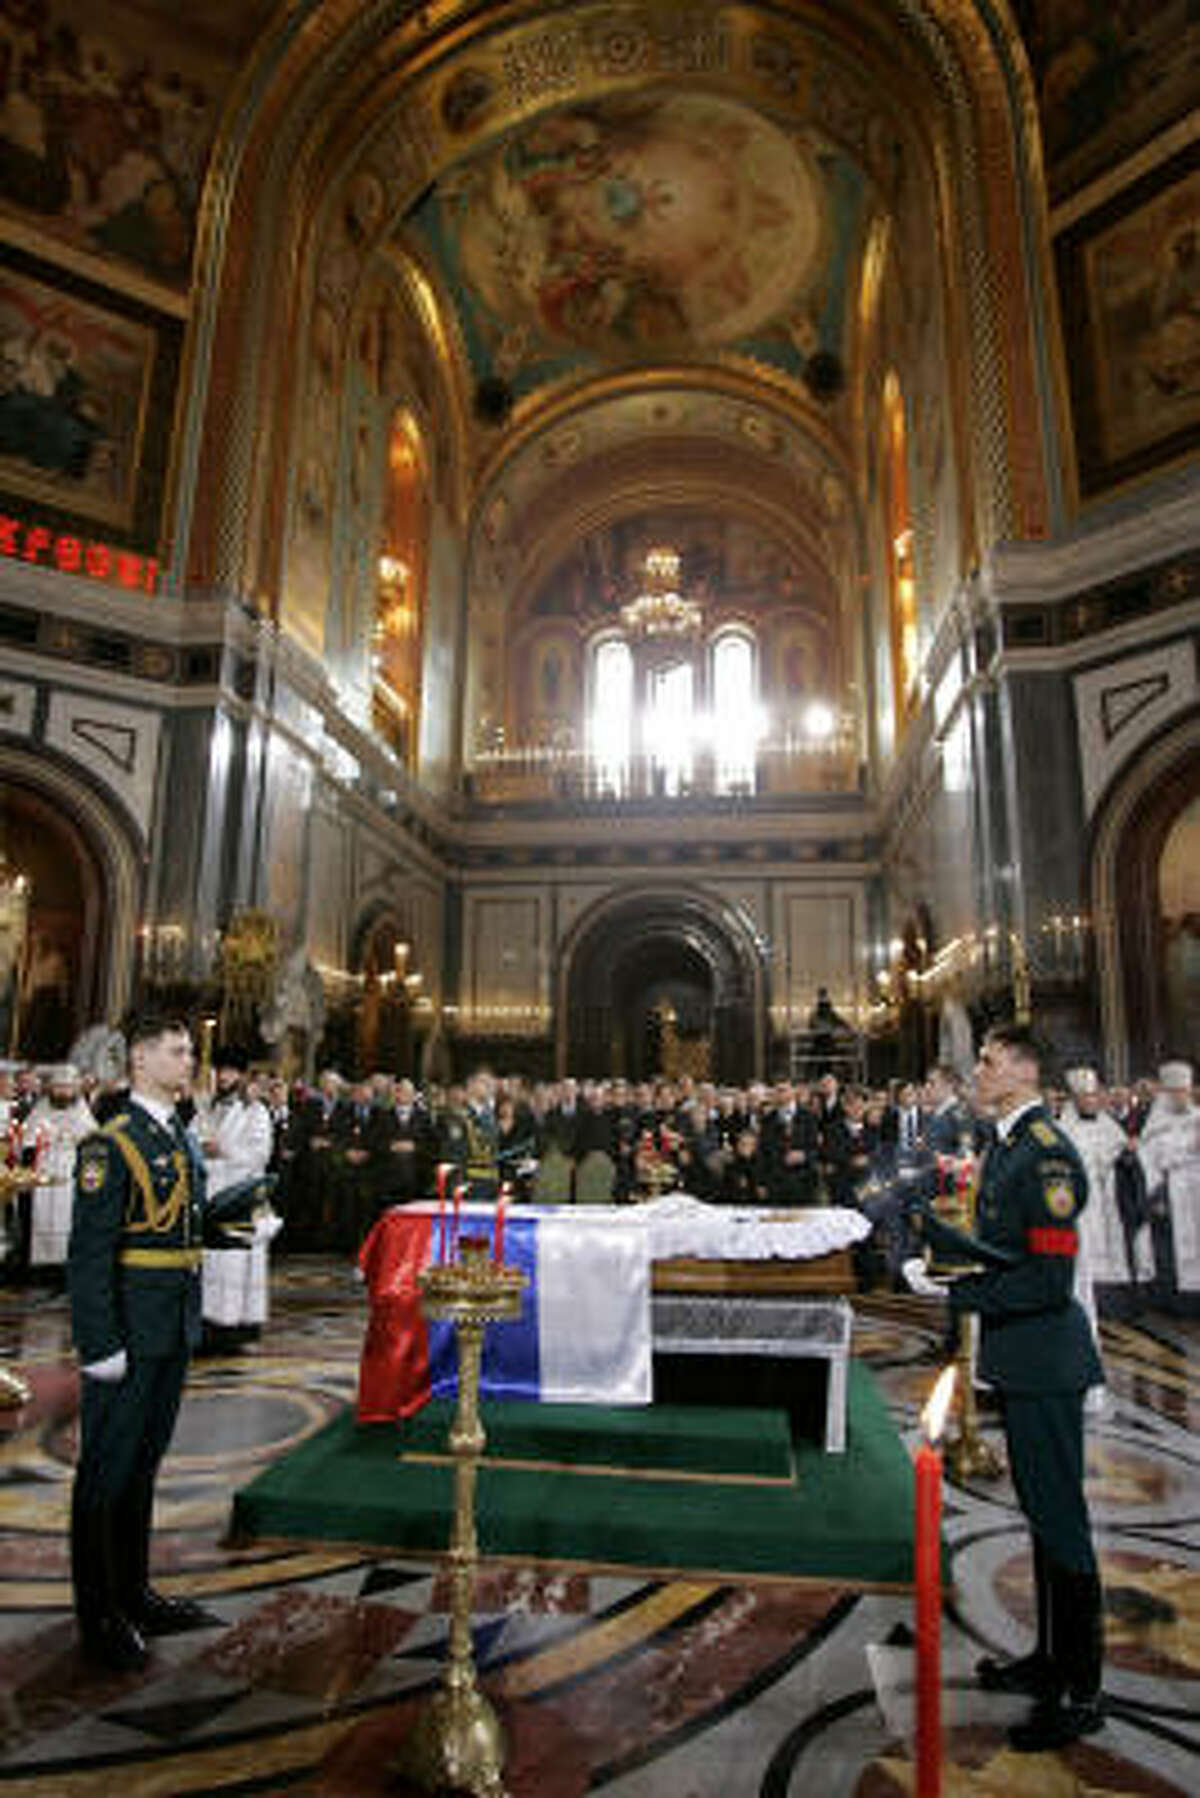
457	1742
14	1180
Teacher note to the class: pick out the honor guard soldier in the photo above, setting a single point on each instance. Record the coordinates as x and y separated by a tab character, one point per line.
1036	1348
134	1279
483	1168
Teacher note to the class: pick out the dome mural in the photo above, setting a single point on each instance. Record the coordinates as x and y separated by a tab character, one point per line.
638	221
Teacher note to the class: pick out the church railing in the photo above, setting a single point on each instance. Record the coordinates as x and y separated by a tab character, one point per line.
548	775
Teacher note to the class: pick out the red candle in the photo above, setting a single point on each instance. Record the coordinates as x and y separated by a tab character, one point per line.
443	1174
501	1208
458	1199
928	1596
928	1607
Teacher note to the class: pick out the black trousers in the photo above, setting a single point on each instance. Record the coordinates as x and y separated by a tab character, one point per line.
1044	1434
125	1428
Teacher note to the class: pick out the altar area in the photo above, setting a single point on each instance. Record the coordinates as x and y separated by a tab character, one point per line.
602	1471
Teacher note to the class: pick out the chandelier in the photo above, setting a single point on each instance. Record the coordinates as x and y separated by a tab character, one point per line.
660	610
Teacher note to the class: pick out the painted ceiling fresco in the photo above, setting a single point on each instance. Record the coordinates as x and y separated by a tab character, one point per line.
724	562
107	119
647	224
1110	74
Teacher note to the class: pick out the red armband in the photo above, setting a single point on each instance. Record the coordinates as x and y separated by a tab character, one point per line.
1049	1240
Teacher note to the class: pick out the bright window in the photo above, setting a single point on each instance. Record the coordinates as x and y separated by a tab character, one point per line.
670	726
737	723
610	727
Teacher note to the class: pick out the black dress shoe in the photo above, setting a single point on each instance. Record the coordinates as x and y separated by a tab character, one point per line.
115	1644
1032	1674
156	1615
1052	1725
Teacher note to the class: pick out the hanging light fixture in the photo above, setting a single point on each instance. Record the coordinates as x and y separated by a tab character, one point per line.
660	610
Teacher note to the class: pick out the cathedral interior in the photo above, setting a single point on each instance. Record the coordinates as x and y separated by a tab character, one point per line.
364	370
549	536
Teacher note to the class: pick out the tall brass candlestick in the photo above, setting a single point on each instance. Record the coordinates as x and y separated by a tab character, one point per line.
457	1742
967	1455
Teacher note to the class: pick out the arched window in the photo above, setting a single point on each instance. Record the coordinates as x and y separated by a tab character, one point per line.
901	568
610	720
397	641
736	716
669	725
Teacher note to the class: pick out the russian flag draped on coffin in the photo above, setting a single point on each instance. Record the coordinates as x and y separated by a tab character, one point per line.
583	1336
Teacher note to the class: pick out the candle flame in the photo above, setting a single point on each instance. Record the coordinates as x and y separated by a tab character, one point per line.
937	1406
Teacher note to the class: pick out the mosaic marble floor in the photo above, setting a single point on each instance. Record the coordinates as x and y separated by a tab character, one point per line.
637	1688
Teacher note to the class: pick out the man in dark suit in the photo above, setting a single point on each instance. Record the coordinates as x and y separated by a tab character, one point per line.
134	1279
947	1126
402	1148
356	1159
560	1126
851	1147
791	1143
1037	1349
320	1125
904	1124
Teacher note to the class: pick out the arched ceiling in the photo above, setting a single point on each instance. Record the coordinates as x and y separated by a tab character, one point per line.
663	291
662	251
664	277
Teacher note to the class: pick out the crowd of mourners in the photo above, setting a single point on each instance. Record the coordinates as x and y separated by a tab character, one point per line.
338	1151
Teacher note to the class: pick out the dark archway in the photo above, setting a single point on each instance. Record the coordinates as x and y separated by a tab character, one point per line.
382	1036
63	972
664	1009
1144	932
646	952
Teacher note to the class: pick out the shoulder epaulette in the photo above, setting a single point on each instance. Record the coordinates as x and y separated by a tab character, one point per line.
1045	1133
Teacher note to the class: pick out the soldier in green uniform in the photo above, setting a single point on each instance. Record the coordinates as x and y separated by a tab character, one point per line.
1036	1347
134	1279
479	1118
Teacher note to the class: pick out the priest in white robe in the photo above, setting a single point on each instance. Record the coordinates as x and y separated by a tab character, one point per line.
236	1138
1169	1150
50	1135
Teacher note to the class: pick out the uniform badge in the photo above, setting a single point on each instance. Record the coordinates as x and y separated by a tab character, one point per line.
1060	1198
1044	1133
92	1172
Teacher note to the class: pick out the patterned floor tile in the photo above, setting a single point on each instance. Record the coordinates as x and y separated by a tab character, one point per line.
639	1689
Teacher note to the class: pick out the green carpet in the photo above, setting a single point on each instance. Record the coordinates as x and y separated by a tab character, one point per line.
701	1440
685	1488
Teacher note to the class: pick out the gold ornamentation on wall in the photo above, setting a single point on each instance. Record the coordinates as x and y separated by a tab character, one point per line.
246	967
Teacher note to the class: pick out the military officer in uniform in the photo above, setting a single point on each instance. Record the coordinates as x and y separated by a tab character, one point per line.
1037	1348
134	1280
483	1168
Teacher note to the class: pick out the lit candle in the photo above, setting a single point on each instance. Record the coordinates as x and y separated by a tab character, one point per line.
443	1174
501	1208
928	1475
459	1192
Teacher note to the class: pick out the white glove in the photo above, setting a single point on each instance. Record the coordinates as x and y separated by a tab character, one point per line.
110	1370
267	1225
917	1280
